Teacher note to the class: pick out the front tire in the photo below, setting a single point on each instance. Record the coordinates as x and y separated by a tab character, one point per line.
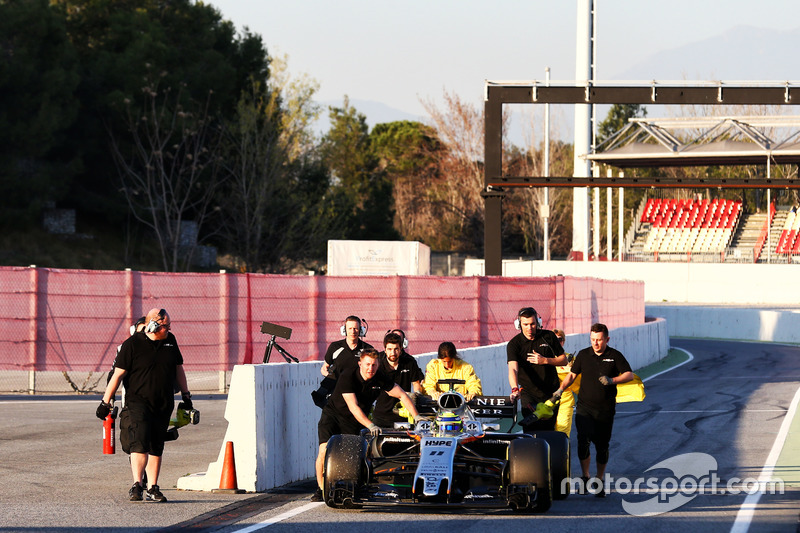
344	471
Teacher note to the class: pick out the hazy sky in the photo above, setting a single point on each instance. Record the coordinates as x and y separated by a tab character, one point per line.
398	51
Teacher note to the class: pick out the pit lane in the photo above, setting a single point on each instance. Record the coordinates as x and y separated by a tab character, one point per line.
729	402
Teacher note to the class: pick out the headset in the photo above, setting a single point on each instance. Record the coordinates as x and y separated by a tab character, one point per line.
402	334
527	310
135	325
362	326
154	325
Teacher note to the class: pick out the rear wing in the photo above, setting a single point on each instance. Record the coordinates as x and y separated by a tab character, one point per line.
493	407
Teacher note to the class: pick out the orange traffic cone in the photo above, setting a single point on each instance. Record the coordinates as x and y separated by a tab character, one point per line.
227	481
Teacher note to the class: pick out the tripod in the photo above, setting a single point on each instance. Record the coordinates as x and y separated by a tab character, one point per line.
286	355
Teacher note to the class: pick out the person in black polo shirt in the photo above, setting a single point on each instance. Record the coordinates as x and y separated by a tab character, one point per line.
345	412
603	368
151	363
532	357
343	355
404	370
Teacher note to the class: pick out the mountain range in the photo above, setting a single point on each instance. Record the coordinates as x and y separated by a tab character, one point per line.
744	53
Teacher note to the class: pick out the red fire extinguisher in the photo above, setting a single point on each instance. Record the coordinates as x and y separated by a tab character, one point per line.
109	437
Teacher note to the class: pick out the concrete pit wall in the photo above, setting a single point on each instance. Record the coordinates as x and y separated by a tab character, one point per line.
273	422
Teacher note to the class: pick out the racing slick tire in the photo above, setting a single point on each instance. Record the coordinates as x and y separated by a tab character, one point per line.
559	461
529	463
344	470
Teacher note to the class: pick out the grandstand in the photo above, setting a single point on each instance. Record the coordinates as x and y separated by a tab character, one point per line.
718	230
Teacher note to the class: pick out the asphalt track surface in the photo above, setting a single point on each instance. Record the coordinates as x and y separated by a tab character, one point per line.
730	403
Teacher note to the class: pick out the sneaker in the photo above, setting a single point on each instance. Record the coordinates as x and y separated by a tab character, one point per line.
317	496
135	494
154	494
596	487
602	492
584	488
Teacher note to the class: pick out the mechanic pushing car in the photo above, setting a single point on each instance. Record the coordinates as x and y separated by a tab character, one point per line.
345	413
603	368
532	356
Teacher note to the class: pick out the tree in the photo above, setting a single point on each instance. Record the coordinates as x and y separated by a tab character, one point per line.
409	155
170	173
361	191
38	77
522	212
273	209
617	118
120	43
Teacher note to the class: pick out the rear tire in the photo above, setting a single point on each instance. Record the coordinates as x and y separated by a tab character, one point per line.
344	470
529	463
559	461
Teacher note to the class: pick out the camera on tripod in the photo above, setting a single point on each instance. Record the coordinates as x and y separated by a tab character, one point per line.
277	331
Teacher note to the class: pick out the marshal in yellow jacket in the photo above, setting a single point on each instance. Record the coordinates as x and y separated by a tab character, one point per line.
461	370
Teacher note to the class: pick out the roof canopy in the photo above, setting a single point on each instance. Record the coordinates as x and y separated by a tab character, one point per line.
679	142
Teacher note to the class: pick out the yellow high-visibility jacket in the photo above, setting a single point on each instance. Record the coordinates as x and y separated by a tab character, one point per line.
435	371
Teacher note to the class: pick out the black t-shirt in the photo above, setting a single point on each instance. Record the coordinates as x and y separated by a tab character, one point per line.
366	391
342	357
538	382
407	372
594	394
151	370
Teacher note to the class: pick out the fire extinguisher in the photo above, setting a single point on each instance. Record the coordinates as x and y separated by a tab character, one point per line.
109	437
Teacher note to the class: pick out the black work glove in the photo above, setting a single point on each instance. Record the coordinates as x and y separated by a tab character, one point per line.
606	380
186	399
103	410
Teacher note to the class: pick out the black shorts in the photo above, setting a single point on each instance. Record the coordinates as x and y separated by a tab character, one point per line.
146	429
594	428
330	424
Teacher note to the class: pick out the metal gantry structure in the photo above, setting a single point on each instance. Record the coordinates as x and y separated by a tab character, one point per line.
707	94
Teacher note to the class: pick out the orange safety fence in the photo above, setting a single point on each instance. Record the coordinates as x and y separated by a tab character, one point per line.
55	319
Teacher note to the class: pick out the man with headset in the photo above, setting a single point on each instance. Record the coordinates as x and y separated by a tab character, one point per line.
532	356
151	362
342	355
404	370
345	413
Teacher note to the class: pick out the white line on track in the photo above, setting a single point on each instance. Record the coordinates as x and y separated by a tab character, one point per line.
748	508
279	518
691	358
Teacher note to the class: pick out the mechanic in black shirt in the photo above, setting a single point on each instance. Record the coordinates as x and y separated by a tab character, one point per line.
345	412
343	354
404	370
532	356
151	363
603	368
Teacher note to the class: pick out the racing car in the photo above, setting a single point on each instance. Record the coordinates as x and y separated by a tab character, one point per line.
450	458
